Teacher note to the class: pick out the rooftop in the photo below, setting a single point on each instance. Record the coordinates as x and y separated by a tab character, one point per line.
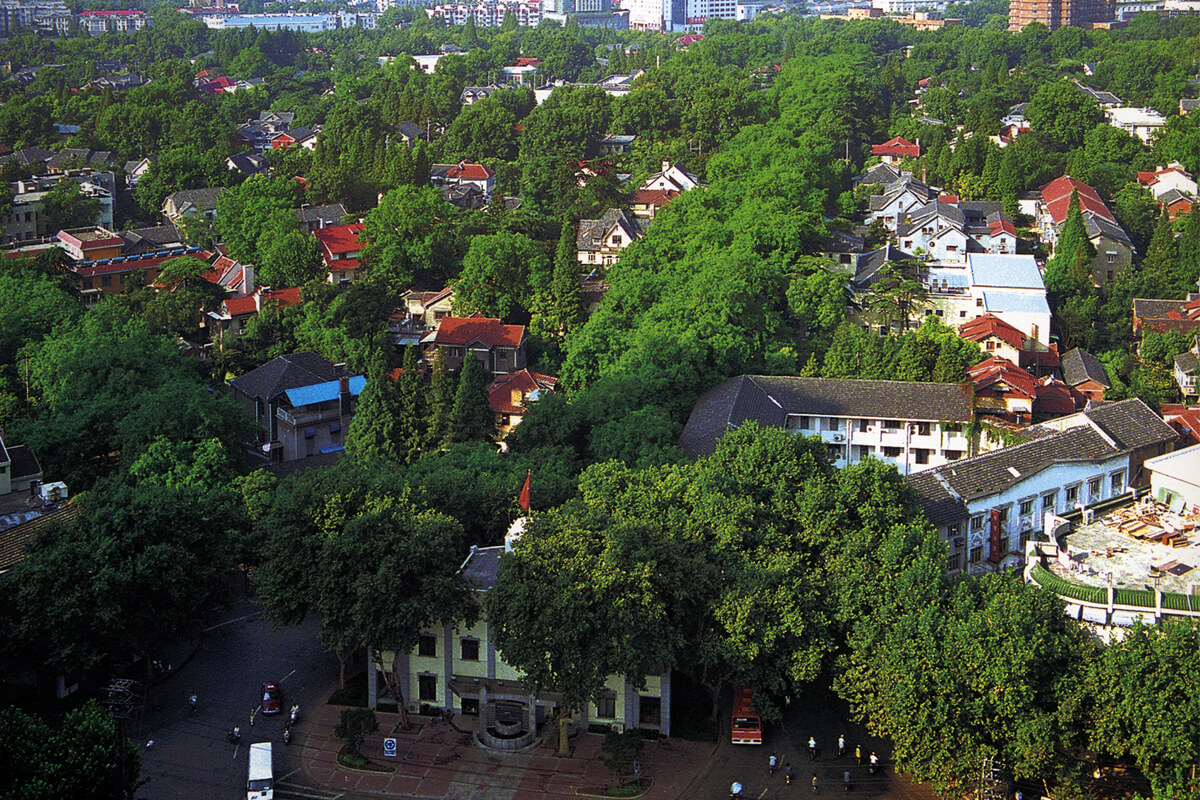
482	567
1004	271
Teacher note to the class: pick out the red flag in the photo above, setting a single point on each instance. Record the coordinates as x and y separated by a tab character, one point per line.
523	498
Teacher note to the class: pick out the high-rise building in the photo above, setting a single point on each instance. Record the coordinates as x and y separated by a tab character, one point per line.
1058	13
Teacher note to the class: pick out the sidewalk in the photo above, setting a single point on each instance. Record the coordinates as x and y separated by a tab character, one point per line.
434	760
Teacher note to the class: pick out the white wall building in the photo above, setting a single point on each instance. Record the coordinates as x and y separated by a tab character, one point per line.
907	6
1140	122
914	426
1175	479
987	507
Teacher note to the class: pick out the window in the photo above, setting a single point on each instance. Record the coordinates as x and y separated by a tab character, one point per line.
952	455
1109	275
864	425
991	345
833	424
427	645
835	452
922	429
955	563
976	554
978	302
977	523
1118	482
922	455
470	649
1112	258
606	705
953	529
1072	493
427	688
805	423
1026	508
891	424
891	452
1004	515
962	315
940	313
1048	501
952	427
106	280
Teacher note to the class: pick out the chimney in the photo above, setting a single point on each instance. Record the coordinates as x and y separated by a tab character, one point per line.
258	293
666	166
247	279
344	396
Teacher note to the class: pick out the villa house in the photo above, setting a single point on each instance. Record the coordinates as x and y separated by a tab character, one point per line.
499	347
509	396
1114	248
895	150
1084	373
600	241
341	251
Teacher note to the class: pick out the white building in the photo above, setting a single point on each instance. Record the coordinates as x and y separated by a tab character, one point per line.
914	426
528	13
907	7
987	507
1175	479
1140	122
308	23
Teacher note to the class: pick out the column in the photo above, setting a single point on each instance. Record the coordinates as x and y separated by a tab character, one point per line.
372	679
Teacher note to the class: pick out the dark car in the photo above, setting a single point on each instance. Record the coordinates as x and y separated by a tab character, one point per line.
272	698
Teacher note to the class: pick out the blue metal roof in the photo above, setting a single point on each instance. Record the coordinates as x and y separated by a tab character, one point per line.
322	392
1000	302
1004	271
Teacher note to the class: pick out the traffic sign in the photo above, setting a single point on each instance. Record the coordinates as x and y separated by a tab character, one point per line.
389	747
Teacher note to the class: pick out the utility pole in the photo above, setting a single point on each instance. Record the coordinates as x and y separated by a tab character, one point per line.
990	785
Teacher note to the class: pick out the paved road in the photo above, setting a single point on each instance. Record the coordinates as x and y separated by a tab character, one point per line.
191	757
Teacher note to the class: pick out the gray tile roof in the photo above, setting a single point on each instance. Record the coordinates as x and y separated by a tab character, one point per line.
1186	363
1098	226
593	231
768	399
1115	428
482	567
205	199
283	373
332	213
1079	365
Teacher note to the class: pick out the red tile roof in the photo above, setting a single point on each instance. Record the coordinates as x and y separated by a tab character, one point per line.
338	239
466	171
528	62
132	265
654	197
1056	195
897	146
1054	397
1185	420
1002	226
994	370
500	392
344	265
478	328
282	298
981	328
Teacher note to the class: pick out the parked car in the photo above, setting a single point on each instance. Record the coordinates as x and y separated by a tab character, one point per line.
272	698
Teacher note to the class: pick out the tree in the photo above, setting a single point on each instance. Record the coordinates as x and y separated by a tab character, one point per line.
621	751
561	312
375	430
408	234
1061	115
84	757
413	422
353	727
471	418
254	214
442	390
175	170
289	258
500	276
65	207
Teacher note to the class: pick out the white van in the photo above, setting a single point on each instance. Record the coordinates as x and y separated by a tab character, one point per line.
259	785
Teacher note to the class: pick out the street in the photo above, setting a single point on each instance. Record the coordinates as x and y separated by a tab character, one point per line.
191	757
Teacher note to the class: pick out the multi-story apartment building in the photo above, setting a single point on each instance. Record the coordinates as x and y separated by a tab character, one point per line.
18	16
1058	13
27	219
98	23
987	507
914	426
528	13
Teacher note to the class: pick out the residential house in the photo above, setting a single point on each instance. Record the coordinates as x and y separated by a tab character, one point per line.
315	218
1114	248
1161	316
1164	179
1175	480
303	404
98	23
467	196
912	425
1143	123
987	507
72	159
465	173
410	133
342	251
28	157
1184	420
616	143
897	200
134	170
509	396
458	668
19	469
247	163
1006	391
1176	202
1007	286
600	241
158	239
235	312
645	203
110	263
946	229
1084	373
998	338
499	347
895	150
303	137
426	309
1105	100
472	94
257	133
881	174
671	177
192	203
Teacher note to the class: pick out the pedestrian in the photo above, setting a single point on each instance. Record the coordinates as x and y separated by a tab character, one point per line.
874	762
814	784
735	791
842	746
846	779
1018	795
787	773
858	753
812	748
772	762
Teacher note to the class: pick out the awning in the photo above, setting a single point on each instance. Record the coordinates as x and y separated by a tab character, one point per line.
310	433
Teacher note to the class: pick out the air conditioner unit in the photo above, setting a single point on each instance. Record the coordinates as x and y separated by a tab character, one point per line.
839	437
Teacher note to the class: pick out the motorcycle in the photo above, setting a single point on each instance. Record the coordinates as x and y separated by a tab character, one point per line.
294	714
192	704
287	733
235	735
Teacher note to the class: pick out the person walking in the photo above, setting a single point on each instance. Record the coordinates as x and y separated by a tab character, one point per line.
858	754
842	746
735	791
787	773
772	763
846	779
812	748
814	784
874	762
